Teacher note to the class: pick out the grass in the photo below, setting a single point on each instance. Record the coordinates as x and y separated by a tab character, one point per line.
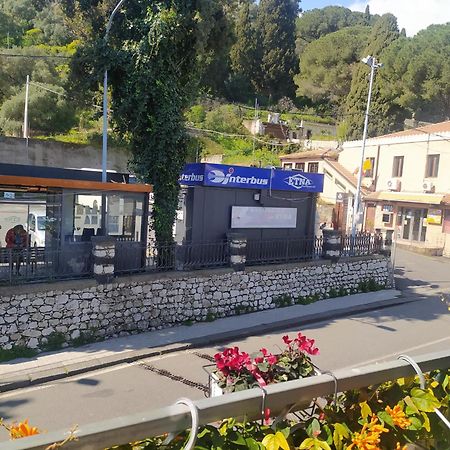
20	351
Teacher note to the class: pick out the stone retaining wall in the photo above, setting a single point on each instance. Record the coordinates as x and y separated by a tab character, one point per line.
30	314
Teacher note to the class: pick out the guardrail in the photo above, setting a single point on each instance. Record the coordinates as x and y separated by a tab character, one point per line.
177	417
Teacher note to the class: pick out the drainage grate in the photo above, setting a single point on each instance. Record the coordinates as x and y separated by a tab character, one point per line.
165	373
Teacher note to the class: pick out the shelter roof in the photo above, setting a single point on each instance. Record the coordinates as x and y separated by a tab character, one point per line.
406	197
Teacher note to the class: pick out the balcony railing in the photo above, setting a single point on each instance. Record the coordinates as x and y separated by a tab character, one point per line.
247	403
75	260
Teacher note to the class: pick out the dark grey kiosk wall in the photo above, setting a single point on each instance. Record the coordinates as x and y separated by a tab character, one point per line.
206	213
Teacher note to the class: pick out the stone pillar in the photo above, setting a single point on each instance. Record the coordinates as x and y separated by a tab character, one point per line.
238	251
386	245
331	247
104	252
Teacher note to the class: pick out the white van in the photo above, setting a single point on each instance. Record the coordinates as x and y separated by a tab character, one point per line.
36	229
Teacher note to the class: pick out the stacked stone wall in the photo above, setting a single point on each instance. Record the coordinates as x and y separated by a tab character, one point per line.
30	314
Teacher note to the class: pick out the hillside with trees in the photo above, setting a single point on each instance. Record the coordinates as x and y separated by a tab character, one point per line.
291	62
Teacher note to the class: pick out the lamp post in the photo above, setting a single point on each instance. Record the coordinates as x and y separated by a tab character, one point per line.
373	64
105	101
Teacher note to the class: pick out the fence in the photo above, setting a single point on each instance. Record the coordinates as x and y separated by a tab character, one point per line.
75	260
246	403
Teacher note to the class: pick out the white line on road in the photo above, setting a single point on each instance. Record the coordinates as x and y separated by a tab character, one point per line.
390	355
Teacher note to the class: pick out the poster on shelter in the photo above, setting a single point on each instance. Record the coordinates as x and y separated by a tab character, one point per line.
263	217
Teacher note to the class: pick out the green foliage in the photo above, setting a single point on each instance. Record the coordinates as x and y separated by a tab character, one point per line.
283	300
48	112
242	55
54	341
416	75
210	317
385	116
35	36
276	62
153	71
389	413
327	64
196	114
225	118
369	285
18	351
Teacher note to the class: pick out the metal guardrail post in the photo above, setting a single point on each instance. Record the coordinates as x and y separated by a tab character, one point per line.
246	403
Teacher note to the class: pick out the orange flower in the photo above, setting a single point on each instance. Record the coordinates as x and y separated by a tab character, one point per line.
398	416
369	437
22	429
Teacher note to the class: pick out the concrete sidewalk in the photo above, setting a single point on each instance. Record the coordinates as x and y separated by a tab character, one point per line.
72	361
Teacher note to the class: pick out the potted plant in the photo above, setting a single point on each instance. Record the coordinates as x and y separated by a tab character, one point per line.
236	370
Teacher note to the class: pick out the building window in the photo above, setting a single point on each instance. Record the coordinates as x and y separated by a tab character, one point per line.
300	166
328	174
313	167
370	165
287	166
432	166
397	167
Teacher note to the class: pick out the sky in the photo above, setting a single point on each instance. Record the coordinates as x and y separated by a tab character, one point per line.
413	15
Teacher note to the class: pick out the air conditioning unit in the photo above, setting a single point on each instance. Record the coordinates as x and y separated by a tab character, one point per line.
428	186
393	184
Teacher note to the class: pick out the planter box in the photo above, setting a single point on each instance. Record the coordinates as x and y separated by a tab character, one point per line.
213	381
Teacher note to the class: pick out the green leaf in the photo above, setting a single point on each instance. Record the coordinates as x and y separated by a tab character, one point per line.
314	444
426	422
416	424
411	408
313	429
275	441
252	444
365	410
386	418
424	400
340	433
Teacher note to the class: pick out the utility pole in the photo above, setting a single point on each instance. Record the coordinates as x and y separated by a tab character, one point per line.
372	62
25	113
256	121
105	100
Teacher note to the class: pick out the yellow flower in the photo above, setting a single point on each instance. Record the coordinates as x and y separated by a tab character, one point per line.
369	437
22	429
399	447
398	416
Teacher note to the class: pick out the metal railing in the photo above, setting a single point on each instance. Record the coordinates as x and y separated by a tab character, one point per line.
248	403
283	250
362	244
75	260
35	264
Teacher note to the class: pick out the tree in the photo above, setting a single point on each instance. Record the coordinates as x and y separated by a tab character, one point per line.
327	64
153	61
417	71
242	53
48	112
385	116
316	23
51	20
276	62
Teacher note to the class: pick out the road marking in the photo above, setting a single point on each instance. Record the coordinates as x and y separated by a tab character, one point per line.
51	384
390	355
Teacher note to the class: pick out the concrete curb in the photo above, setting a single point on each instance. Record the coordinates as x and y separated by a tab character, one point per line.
60	371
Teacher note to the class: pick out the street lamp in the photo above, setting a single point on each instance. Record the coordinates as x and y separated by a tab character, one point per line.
373	64
105	100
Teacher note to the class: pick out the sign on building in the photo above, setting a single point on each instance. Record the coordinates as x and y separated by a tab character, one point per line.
220	175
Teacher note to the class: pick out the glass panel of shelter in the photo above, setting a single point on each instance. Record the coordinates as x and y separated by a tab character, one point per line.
413	224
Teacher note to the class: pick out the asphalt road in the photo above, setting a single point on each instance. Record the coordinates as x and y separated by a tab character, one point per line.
414	328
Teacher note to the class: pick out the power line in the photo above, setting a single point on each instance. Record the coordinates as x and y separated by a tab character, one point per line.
14	55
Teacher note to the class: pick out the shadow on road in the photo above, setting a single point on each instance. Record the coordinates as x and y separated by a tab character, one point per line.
8	405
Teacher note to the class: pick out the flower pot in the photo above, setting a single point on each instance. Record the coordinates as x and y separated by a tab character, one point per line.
215	390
